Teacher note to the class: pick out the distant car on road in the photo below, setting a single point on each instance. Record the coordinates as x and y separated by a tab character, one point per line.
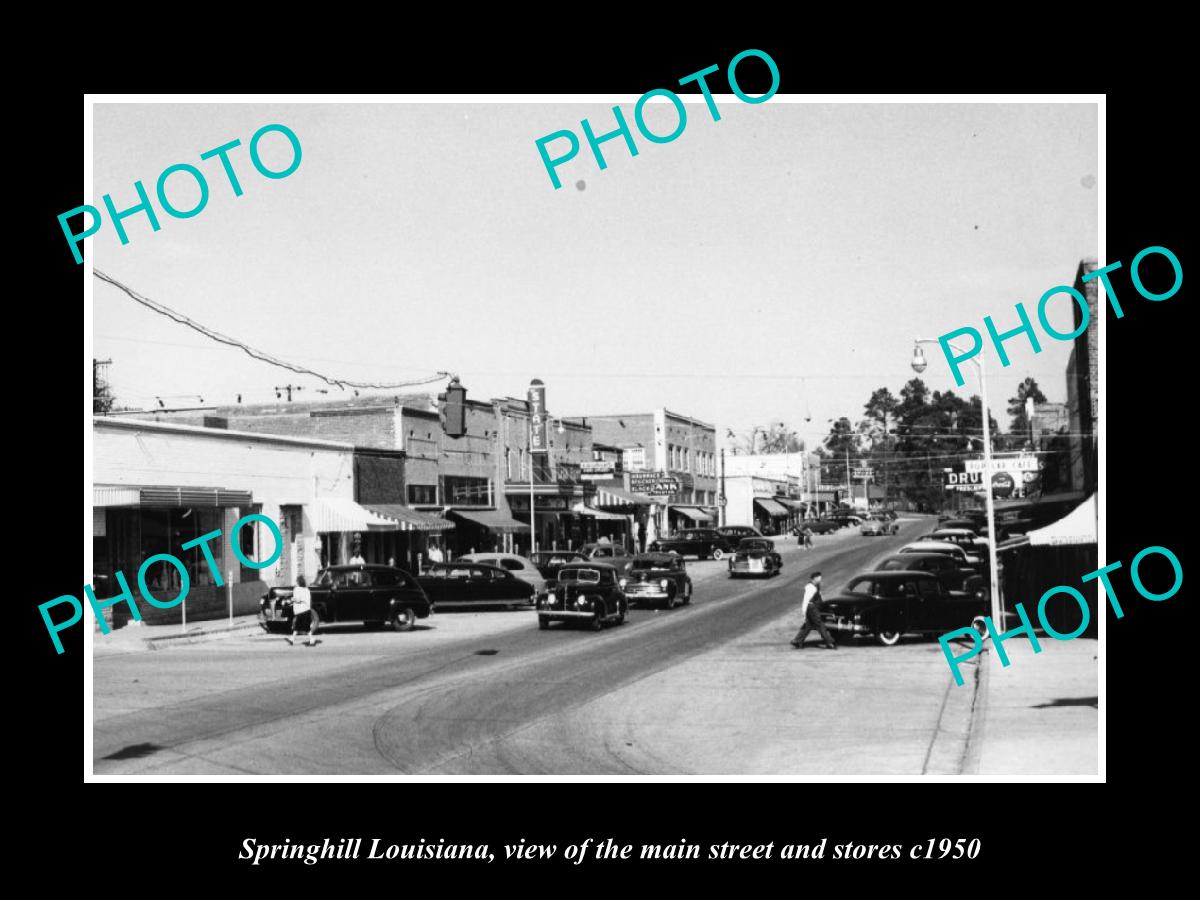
364	593
657	578
966	538
891	604
955	552
525	569
876	526
477	583
548	562
609	553
734	533
585	592
755	556
702	543
823	526
952	575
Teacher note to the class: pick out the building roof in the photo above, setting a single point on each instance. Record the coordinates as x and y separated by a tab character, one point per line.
200	431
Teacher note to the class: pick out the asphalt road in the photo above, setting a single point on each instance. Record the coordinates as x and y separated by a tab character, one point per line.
488	693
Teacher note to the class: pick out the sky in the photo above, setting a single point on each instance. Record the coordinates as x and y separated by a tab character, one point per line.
773	266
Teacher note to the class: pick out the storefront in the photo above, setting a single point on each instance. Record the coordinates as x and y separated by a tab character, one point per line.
409	546
770	515
598	524
484	531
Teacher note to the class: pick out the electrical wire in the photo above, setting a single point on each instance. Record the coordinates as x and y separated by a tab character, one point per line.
258	354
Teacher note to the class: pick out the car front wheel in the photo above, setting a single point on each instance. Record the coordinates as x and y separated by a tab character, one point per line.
687	594
403	619
543	623
887	634
671	597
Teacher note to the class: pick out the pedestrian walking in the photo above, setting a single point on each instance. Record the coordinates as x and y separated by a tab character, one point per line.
810	612
303	613
806	537
435	553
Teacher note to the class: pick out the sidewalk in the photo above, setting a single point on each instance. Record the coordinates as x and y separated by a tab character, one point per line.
135	637
1038	715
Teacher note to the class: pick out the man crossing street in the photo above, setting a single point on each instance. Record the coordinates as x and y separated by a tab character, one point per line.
810	612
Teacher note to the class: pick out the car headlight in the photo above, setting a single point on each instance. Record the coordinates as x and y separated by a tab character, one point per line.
550	597
581	601
663	584
622	582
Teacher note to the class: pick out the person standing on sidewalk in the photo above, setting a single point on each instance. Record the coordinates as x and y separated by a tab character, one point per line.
810	612
303	613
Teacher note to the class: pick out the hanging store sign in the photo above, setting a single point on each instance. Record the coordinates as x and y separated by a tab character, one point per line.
538	439
653	483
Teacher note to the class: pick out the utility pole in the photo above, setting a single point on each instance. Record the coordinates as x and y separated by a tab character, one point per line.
849	486
722	501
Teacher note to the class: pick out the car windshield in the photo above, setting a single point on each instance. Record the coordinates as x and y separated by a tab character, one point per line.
585	576
748	545
894	565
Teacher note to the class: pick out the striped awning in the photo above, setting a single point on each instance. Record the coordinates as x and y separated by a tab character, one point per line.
163	496
408	518
492	519
771	508
798	505
611	496
339	514
694	513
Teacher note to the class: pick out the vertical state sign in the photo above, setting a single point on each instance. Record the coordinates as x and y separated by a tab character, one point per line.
538	442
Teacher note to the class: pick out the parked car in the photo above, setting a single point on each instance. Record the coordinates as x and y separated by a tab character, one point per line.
955	552
734	533
823	526
755	556
657	578
610	553
703	543
952	575
875	526
890	604
369	594
583	592
548	562
959	523
479	583
523	568
843	519
966	538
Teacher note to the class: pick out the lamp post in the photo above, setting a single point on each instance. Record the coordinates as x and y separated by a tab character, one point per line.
919	364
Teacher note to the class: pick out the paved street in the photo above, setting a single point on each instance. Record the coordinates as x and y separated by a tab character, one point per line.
710	688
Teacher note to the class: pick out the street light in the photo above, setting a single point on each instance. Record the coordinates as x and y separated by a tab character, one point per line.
919	365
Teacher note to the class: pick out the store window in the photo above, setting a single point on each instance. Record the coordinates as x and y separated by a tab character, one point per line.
423	494
158	531
463	490
255	542
634	459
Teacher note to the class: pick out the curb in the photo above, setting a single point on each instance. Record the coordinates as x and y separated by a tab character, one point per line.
974	748
958	729
200	636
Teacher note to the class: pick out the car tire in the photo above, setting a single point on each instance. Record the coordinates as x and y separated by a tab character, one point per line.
597	621
718	554
687	594
621	610
671	597
404	618
887	634
543	623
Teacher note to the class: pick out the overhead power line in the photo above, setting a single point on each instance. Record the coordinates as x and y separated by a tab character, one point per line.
258	354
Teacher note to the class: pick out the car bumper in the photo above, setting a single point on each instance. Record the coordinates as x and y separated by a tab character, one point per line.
841	623
646	595
566	614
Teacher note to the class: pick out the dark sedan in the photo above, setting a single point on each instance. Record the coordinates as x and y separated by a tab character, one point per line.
823	526
583	592
360	593
890	604
476	583
701	543
657	578
952	575
734	533
755	556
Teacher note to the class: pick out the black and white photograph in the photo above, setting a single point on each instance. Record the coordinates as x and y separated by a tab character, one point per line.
718	432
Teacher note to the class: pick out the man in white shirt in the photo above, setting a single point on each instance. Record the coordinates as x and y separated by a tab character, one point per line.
810	611
435	554
303	613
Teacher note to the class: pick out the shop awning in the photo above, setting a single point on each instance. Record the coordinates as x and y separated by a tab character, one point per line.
611	496
694	513
408	518
162	496
798	505
771	507
584	510
491	519
1074	529
331	514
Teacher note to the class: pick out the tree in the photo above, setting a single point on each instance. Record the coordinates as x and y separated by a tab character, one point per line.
102	395
773	438
1019	426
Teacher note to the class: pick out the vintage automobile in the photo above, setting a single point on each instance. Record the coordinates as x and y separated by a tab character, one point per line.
965	537
609	553
955	552
890	604
476	583
369	594
755	556
657	578
823	526
702	543
583	592
523	568
734	533
548	562
952	575
877	525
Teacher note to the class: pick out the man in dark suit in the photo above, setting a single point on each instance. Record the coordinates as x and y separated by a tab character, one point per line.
810	611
